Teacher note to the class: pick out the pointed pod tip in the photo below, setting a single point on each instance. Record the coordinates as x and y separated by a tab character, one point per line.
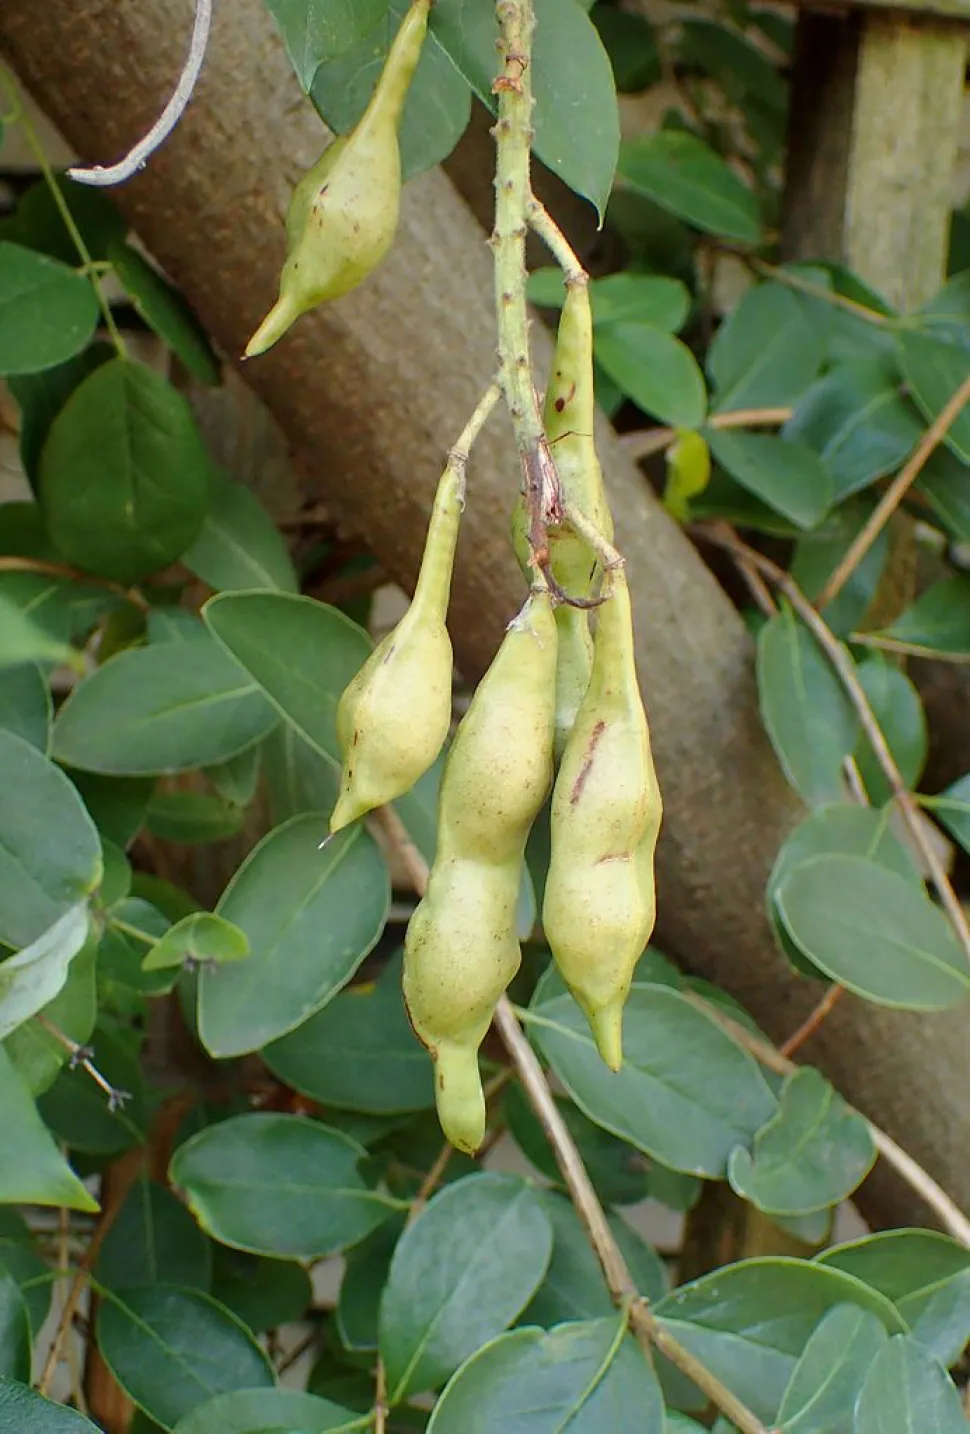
459	1097
348	809
607	1027
280	317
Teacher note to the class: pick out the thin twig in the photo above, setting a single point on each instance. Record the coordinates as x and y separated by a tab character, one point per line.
104	176
951	1217
77	1287
557	243
63	1265
817	291
459	454
845	670
81	1056
895	494
644	442
430	1182
608	556
380	1398
813	1020
11	564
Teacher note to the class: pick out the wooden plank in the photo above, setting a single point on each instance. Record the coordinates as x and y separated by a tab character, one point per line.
876	111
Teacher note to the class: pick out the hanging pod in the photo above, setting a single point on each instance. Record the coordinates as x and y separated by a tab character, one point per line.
343	213
568	418
599	904
461	949
393	718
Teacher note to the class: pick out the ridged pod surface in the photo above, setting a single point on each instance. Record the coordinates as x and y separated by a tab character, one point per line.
393	718
344	212
568	418
599	904
461	949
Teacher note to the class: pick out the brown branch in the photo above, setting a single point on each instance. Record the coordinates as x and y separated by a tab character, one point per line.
895	494
813	1020
644	442
845	670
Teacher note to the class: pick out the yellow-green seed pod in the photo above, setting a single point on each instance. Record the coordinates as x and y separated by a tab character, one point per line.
574	665
393	718
599	903
461	949
568	419
499	769
344	212
569	413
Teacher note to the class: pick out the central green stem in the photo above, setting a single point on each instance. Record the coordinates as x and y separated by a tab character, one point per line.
513	198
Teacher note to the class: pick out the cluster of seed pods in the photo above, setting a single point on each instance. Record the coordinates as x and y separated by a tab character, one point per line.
555	695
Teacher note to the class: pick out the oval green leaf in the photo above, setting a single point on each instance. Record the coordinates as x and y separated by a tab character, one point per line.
858	422
908	1392
165	708
587	1378
358	1053
681	174
196	940
461	1273
29	1413
933	371
239	547
26	708
34	1171
48	311
825	1383
873	932
50	853
154	1239
438	105
172	1349
686	1093
124	474
33	978
278	1185
165	311
898	709
788	476
842	829
810	1156
574	1287
807	715
937	624
749	1323
310	917
925	1274
766	353
301	652
244	1411
656	370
